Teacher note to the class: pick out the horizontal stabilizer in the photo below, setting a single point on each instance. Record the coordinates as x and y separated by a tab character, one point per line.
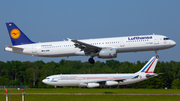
15	47
151	75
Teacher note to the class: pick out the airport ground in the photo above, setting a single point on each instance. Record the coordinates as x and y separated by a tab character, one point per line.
96	98
71	94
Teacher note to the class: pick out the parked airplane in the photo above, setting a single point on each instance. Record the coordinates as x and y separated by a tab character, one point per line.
100	80
100	47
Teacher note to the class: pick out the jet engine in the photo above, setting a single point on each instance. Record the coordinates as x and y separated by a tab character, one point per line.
107	53
92	85
111	83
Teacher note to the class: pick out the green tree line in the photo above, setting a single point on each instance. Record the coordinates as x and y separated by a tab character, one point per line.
32	73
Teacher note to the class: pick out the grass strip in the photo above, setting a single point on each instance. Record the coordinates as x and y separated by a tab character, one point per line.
95	98
86	90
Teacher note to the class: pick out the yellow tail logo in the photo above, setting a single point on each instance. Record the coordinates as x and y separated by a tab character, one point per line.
15	33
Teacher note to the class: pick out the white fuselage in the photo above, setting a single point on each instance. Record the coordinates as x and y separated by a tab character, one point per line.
100	80
121	44
83	80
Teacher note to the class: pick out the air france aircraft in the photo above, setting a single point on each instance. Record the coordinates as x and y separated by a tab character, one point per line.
101	47
101	80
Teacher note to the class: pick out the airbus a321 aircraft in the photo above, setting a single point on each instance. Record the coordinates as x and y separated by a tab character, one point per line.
101	80
100	47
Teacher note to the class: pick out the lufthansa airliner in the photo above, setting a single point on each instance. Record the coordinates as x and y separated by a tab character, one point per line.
100	47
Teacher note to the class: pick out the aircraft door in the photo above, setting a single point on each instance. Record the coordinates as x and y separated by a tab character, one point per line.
34	49
122	43
156	40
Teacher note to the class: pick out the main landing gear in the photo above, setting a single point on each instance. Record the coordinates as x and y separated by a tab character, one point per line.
157	56
91	60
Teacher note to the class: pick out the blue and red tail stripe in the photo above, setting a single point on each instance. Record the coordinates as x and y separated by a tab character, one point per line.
149	66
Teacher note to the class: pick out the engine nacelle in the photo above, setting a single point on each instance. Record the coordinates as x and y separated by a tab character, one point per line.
92	85
107	53
111	83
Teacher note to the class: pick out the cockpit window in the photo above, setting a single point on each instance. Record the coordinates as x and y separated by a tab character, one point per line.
166	38
47	78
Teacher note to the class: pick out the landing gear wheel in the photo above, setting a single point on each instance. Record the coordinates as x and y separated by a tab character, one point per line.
91	60
157	56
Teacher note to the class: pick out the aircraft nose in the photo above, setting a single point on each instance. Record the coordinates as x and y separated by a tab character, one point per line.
44	81
173	43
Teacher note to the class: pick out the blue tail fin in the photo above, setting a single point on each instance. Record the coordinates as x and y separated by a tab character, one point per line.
16	35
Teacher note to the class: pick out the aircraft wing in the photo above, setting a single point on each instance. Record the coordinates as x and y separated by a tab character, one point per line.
87	48
104	81
118	80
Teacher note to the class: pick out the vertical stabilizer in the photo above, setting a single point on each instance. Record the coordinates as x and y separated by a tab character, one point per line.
16	35
150	66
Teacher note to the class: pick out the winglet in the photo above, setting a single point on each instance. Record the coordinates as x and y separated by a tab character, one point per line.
69	39
150	66
16	35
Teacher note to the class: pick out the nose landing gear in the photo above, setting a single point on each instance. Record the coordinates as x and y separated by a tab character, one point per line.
157	56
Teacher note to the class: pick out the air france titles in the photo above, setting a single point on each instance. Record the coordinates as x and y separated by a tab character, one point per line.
139	38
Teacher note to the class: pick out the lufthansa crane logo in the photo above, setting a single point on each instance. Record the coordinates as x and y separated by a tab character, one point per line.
15	33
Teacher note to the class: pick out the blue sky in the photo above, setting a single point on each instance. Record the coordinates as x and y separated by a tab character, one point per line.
55	20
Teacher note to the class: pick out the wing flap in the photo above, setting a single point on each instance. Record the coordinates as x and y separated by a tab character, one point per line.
87	48
82	44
